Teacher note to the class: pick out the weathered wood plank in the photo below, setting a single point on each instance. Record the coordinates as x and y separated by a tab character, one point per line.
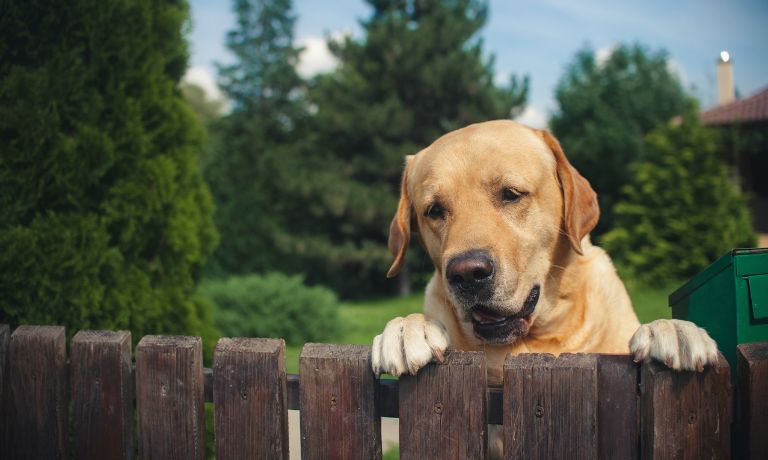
685	415
339	417
617	407
102	395
551	406
169	397
527	406
752	401
5	338
574	394
443	411
38	399
250	400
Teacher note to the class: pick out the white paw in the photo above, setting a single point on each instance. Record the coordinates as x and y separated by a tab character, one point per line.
408	344
681	345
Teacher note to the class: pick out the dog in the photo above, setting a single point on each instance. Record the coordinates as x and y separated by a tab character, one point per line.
506	219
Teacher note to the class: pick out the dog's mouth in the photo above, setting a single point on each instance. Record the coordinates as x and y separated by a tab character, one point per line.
495	327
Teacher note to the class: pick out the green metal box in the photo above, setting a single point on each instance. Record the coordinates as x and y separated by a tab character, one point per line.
729	299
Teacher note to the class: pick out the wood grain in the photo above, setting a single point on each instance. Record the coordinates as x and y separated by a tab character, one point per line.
685	415
250	400
618	415
102	395
169	397
38	399
752	401
339	416
443	409
551	406
5	338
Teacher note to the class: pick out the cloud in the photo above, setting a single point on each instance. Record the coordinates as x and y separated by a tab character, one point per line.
604	53
316	58
533	117
202	77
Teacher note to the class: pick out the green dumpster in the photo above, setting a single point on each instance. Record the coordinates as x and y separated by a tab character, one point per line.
729	299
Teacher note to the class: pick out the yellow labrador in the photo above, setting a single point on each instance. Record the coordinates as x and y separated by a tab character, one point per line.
506	219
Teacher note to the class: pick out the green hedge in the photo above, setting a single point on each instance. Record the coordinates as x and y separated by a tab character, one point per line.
105	221
273	305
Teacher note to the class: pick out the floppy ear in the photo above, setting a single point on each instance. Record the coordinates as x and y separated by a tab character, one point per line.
400	229
580	209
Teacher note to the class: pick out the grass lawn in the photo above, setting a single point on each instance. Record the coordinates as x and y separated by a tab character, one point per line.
651	303
363	320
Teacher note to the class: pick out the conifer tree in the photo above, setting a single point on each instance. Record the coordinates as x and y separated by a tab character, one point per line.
105	220
418	72
683	212
255	142
606	108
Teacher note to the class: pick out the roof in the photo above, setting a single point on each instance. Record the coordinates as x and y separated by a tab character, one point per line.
748	110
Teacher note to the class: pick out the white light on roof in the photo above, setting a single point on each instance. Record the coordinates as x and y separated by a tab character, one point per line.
725	56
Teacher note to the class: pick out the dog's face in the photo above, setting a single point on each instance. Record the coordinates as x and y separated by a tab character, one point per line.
495	205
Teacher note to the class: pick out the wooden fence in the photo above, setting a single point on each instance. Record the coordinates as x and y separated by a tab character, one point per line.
572	406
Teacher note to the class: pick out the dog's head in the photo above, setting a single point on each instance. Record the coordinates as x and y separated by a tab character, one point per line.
496	205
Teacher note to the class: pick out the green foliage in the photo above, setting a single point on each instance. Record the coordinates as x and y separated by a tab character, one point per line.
606	109
418	73
273	305
306	178
206	109
104	218
253	146
682	212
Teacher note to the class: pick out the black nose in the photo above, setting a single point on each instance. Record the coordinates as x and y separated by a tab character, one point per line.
470	271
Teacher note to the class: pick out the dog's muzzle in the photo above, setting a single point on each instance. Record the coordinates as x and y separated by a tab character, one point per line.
494	327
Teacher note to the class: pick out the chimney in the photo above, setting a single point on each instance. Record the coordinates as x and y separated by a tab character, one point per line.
725	91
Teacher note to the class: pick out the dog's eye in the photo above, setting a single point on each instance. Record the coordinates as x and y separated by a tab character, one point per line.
509	195
435	211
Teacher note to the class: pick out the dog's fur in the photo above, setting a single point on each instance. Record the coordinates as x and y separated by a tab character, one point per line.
508	191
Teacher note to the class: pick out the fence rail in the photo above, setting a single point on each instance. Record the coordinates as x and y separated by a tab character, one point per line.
571	406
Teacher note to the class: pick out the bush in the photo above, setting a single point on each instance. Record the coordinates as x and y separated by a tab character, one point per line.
273	305
105	221
682	212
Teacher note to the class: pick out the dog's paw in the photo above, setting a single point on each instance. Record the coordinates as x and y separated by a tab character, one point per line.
408	344
681	345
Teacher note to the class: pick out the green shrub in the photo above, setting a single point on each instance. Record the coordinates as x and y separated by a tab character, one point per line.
682	212
105	221
273	305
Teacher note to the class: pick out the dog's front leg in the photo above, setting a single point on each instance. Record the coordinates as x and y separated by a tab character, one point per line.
408	344
681	345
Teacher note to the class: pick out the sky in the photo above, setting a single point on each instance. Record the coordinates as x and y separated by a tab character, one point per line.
540	38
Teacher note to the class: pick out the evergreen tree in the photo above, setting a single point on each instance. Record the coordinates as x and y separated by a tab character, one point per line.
607	108
104	218
682	212
418	73
206	108
256	140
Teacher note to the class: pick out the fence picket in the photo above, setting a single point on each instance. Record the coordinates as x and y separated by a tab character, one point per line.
169	397
551	406
249	394
102	395
5	338
38	384
339	415
617	407
685	415
752	401
443	409
572	406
